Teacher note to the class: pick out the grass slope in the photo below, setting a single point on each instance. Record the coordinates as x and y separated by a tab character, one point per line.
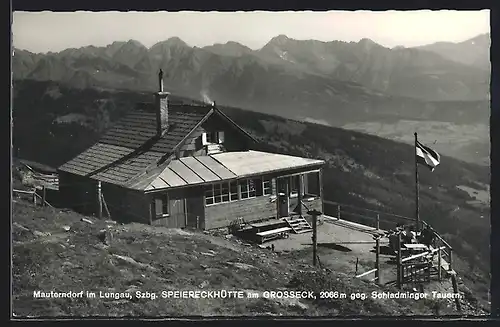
56	251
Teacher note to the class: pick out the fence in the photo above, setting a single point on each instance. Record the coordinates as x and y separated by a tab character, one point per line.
368	217
384	220
34	196
49	180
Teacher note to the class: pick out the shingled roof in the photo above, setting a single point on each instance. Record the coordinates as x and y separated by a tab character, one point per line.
131	146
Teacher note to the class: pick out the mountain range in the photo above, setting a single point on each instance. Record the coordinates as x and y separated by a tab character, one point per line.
332	82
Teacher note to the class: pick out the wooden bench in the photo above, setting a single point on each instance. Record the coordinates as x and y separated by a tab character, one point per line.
416	246
273	234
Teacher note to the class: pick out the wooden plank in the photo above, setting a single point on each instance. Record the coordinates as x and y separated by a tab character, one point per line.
23	192
267	223
274	231
417	246
420	255
185	172
206	174
171	178
366	273
216	167
159	183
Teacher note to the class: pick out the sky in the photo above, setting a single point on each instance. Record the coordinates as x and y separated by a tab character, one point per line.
55	31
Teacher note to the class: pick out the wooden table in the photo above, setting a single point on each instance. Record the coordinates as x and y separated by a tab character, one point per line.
417	247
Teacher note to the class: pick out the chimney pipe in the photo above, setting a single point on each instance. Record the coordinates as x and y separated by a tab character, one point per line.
161	107
160	81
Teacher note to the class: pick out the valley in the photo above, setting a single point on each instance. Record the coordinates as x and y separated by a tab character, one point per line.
467	142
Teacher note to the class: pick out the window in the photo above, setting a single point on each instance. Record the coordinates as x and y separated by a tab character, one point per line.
311	184
233	191
209	195
228	192
267	186
248	189
221	193
161	204
212	138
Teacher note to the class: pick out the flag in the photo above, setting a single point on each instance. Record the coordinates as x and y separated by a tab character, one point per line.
427	157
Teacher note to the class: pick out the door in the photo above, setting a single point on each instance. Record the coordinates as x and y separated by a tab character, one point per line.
178	213
191	220
283	198
283	205
195	208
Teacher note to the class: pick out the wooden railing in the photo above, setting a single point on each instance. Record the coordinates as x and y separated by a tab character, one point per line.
382	220
447	250
369	217
50	180
34	196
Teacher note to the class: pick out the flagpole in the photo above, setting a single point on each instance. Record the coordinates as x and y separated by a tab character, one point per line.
417	217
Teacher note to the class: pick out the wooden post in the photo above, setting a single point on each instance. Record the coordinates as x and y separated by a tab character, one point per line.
398	264
105	206
197	222
151	204
378	221
338	211
314	238
439	264
417	214
449	263
321	192
277	197
377	260
44	193
314	214
455	290
186	213
299	195
99	200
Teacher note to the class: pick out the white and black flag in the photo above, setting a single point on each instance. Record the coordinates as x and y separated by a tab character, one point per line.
427	157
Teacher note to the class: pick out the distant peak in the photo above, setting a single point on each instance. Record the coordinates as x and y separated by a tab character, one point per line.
115	43
366	41
280	39
174	40
234	43
135	42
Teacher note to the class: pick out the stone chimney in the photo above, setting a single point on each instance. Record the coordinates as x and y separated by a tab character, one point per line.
161	107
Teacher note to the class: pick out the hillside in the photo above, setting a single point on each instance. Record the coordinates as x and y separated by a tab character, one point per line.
60	251
336	81
362	170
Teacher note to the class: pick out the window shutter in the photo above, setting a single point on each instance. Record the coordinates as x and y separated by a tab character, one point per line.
158	207
221	137
204	139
